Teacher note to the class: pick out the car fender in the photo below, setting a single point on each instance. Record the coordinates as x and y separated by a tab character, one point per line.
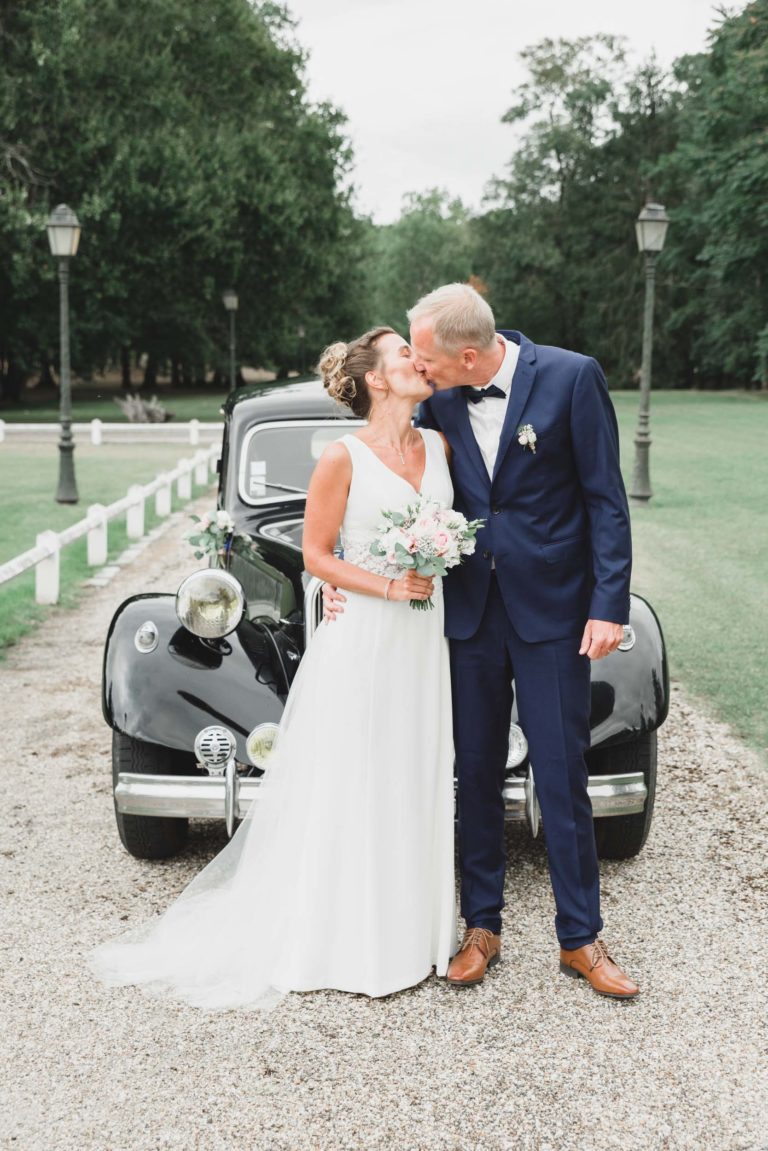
630	689
186	683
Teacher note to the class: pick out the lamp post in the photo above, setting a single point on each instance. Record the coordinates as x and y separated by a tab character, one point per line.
301	333
230	303
651	228
64	236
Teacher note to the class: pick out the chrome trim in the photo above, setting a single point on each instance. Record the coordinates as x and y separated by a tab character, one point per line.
623	794
282	496
532	808
313	608
629	640
205	797
150	629
230	796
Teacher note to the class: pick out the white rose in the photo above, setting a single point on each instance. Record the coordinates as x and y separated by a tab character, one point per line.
224	521
522	439
531	437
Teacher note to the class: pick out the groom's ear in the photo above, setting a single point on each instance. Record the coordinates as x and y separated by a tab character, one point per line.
468	358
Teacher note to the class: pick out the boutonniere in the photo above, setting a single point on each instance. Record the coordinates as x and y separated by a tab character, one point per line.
526	437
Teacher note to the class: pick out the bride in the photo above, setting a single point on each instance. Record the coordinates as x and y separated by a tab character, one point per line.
341	875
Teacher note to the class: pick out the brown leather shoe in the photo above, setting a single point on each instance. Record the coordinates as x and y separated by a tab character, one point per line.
593	963
480	950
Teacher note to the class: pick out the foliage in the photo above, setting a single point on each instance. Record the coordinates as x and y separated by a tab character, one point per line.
717	178
429	245
182	136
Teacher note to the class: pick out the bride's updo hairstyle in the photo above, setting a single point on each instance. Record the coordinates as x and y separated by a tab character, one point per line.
343	368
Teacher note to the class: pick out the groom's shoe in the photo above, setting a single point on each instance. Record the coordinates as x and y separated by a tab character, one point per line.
480	950
593	963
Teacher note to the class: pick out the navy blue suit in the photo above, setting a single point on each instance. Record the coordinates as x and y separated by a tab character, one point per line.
557	529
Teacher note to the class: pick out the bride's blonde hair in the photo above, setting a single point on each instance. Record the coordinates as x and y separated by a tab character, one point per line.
343	368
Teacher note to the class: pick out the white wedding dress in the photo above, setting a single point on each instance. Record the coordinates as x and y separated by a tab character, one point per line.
341	875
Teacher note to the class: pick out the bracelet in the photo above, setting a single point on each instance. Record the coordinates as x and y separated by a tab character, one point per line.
386	589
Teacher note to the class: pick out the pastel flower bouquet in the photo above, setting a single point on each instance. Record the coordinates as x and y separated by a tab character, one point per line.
427	538
214	536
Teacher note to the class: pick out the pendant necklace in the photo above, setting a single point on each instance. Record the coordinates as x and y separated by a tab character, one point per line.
394	448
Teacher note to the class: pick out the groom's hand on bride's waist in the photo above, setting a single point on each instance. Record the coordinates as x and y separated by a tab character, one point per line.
332	601
600	638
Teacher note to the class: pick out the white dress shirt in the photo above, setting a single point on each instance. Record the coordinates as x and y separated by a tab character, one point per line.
487	417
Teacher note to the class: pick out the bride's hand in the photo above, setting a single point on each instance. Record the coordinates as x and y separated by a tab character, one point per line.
332	601
411	586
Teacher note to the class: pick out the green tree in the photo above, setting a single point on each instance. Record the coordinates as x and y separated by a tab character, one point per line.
194	160
717	178
429	245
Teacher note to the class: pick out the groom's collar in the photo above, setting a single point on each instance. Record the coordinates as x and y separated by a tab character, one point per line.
527	347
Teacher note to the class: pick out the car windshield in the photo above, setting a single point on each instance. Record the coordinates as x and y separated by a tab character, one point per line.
279	458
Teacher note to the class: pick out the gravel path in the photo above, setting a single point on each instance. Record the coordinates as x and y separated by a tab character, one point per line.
530	1060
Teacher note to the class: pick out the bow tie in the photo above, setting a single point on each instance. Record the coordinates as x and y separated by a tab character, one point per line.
491	392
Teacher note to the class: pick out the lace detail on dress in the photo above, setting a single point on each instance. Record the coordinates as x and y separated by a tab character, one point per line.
357	551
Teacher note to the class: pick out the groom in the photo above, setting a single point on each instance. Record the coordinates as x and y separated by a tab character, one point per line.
535	454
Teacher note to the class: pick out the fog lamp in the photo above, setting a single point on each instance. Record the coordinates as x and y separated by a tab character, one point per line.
260	743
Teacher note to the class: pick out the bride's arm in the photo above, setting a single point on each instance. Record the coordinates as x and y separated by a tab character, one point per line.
326	504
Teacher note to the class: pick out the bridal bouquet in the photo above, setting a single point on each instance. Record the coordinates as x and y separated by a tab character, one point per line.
427	538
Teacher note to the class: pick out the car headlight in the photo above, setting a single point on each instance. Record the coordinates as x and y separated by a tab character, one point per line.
260	743
210	603
518	746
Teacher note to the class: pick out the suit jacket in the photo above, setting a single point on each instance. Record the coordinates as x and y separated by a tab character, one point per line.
557	521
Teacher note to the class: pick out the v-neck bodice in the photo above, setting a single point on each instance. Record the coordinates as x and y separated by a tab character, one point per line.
376	488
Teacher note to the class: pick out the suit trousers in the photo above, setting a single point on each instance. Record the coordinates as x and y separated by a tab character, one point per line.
552	682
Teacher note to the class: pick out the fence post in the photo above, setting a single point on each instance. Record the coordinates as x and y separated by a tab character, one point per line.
134	518
194	431
47	571
201	469
96	432
163	498
97	536
2	430
213	461
184	482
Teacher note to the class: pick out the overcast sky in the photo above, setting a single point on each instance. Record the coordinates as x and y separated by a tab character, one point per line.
424	83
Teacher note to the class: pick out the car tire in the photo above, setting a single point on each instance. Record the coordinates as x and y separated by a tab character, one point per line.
147	836
623	836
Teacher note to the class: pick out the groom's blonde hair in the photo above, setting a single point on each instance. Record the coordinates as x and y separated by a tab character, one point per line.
460	317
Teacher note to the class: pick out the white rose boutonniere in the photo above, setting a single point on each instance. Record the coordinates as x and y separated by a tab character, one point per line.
526	437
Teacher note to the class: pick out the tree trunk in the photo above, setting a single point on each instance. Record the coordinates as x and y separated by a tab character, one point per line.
125	366
150	372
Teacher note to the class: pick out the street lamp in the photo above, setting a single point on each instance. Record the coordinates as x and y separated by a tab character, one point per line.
64	236
651	228
230	303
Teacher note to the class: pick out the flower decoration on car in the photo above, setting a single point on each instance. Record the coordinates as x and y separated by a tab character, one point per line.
526	437
214	536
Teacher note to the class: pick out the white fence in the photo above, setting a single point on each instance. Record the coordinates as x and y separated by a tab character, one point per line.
192	432
45	556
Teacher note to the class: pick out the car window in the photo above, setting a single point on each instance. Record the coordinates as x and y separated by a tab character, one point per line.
277	459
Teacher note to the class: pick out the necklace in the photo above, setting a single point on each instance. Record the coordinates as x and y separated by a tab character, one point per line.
396	448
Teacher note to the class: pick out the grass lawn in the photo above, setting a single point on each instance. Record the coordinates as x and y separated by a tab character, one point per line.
701	544
28	475
91	404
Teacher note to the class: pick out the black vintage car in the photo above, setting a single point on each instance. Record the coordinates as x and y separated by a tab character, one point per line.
195	681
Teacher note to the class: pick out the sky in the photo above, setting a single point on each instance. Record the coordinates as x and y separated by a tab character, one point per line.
424	83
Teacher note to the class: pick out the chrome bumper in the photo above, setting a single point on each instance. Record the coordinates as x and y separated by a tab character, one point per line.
212	797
